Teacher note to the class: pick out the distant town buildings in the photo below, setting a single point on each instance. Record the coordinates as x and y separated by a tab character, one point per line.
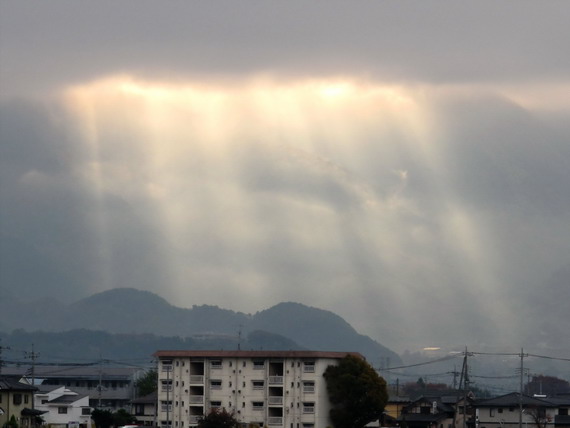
108	388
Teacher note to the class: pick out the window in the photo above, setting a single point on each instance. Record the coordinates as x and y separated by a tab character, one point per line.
215	404
257	405
215	384
166	424
85	411
17	399
259	365
258	384
216	364
309	367
44	401
166	406
491	412
309	387
166	385
563	412
166	365
500	410
308	407
62	410
26	399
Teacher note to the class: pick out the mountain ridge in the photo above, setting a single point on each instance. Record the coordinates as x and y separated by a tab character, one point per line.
138	312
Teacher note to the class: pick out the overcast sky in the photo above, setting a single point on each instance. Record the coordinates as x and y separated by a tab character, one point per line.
403	164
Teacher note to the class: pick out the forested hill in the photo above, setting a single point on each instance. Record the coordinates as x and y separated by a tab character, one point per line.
152	323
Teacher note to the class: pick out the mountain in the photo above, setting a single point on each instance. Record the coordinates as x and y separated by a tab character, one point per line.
315	328
135	312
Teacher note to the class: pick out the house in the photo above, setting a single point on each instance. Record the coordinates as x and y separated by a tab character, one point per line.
144	409
504	411
108	388
429	412
263	388
16	399
63	407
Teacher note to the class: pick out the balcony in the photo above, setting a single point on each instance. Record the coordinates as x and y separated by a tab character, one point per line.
194	419
196	399
275	380
275	420
197	379
275	401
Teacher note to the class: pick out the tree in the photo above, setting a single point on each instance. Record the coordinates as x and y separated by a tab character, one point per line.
122	417
102	418
148	383
357	393
218	419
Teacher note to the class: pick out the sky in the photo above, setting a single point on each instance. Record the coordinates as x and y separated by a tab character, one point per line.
405	165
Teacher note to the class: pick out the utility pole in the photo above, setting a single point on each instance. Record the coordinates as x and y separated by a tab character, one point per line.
100	386
2	361
32	356
522	355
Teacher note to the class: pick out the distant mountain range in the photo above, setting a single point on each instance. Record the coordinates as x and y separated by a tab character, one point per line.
149	322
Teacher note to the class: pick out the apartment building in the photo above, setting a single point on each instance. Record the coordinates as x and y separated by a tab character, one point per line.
265	388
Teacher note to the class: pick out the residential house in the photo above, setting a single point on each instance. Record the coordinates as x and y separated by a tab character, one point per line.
429	412
504	412
108	388
144	409
16	399
263	388
63	407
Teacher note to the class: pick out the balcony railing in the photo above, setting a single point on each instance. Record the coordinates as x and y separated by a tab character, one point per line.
194	419
274	420
275	401
196	399
308	388
276	380
165	388
196	379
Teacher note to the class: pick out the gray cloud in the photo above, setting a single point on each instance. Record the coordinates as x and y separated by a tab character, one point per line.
430	211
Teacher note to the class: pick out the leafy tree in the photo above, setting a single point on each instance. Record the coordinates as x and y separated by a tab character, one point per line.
12	423
218	419
102	418
122	417
147	384
357	393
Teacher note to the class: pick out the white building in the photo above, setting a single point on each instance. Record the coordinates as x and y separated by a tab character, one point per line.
63	407
267	388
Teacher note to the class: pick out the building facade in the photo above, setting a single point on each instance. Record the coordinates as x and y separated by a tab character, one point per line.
62	407
16	400
263	388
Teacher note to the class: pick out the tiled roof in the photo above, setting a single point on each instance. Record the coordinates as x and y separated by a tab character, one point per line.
66	399
513	400
147	399
74	372
12	383
254	354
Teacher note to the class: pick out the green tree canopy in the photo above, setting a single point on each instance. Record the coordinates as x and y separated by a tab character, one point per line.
357	393
218	419
102	418
147	384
